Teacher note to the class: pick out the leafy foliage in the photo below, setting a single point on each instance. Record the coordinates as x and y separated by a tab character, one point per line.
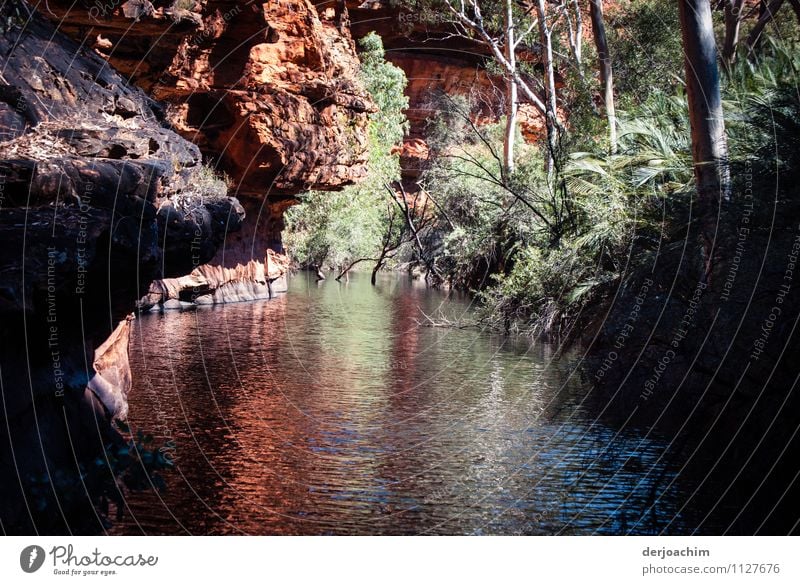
537	251
334	229
537	247
646	49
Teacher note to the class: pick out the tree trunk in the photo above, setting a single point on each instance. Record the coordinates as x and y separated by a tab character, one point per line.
733	22
606	70
709	143
497	51
578	50
764	19
551	109
374	276
512	101
344	272
575	36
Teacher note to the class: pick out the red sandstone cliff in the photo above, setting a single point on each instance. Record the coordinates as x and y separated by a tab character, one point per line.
100	197
269	91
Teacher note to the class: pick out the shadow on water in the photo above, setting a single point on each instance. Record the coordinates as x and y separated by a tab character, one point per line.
333	410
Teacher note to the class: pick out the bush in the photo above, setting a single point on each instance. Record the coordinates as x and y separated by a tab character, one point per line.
537	251
335	229
645	41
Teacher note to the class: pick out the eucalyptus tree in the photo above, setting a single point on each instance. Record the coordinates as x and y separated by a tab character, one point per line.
500	26
739	11
605	67
506	26
768	12
709	141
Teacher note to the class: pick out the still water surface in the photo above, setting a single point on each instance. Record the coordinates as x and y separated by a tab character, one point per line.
335	410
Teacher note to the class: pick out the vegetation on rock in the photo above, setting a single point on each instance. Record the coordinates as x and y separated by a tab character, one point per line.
334	230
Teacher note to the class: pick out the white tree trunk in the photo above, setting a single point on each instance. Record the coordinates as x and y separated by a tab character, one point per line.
606	70
497	51
709	142
468	18
512	98
551	108
578	35
575	36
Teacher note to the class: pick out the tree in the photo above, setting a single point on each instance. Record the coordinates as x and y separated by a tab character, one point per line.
512	91
648	52
733	23
551	107
767	14
575	35
736	11
469	23
709	142
606	71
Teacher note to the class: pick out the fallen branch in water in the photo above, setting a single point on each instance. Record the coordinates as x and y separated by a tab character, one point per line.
345	271
443	321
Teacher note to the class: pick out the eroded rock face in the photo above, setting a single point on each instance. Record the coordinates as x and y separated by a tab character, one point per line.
268	90
431	76
247	267
98	197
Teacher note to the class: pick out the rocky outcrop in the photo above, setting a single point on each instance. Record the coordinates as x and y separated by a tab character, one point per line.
103	200
267	90
221	281
112	379
98	197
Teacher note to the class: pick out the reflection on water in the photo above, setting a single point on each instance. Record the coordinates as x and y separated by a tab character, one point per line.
331	410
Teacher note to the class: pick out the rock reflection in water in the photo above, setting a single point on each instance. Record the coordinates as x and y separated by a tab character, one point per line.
331	410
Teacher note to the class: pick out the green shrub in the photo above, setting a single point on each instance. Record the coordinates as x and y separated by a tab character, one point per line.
645	44
334	229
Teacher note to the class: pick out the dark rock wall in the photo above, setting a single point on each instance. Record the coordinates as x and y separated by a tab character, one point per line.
98	197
